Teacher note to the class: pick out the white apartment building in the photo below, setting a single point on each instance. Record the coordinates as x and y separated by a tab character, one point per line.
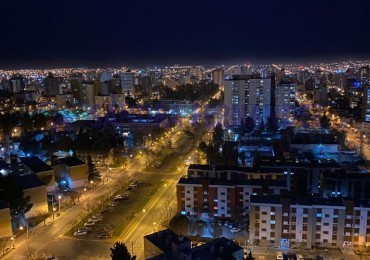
285	102
247	98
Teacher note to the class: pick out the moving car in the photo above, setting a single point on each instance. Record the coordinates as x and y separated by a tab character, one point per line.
279	255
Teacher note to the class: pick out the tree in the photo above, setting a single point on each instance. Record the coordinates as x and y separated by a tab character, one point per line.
179	224
256	242
324	122
119	251
12	193
92	172
218	134
3	244
249	124
75	195
42	215
262	126
271	123
31	253
216	230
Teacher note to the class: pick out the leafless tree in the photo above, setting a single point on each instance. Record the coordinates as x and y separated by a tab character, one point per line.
75	196
3	244
31	253
42	215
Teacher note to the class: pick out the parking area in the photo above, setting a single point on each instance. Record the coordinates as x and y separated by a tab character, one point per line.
110	220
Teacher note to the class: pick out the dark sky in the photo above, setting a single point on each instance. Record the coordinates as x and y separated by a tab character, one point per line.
39	34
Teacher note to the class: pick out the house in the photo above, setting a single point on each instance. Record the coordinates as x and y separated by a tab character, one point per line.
166	244
71	172
34	165
5	221
35	188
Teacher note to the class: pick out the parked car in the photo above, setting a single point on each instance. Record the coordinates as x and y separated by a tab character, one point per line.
299	257
94	220
235	230
84	229
133	185
112	204
279	255
103	236
88	224
130	188
81	233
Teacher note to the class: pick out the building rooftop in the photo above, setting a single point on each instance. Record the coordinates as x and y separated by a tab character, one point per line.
29	181
308	201
3	205
233	182
35	164
220	248
71	161
165	238
208	167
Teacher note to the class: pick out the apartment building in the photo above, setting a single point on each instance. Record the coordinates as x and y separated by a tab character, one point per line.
288	221
218	198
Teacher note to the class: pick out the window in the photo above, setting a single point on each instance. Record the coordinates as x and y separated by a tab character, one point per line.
272	222
264	213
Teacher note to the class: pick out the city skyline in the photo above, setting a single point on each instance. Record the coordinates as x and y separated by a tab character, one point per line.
159	33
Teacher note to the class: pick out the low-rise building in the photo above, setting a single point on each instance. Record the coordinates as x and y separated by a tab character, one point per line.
33	165
71	172
221	198
287	221
35	189
166	244
5	221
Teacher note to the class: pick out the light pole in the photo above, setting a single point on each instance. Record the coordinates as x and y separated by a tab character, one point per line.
12	239
21	228
59	198
154	226
54	209
92	183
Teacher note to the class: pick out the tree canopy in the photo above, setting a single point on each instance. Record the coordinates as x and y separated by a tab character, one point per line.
119	251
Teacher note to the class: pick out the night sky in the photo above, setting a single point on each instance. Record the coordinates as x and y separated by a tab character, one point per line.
40	34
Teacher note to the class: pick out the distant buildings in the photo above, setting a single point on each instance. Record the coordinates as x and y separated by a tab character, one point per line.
285	102
127	83
218	76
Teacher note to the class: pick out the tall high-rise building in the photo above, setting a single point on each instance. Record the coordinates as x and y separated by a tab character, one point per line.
127	83
87	95
51	85
234	102
258	99
366	104
285	102
247	98
218	76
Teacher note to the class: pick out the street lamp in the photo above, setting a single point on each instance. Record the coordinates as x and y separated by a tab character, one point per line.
59	198
154	226
54	209
21	228
12	239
